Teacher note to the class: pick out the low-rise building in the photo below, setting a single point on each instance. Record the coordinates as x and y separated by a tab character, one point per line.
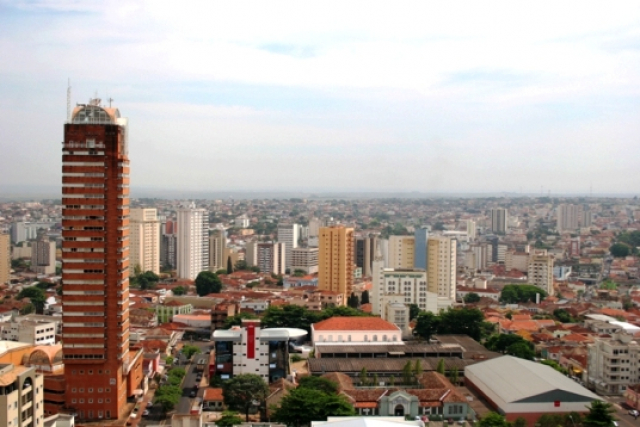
29	331
612	363
21	396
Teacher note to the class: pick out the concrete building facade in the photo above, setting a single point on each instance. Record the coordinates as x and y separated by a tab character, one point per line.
5	258
336	260
43	255
441	266
218	250
21	396
499	220
193	242
289	235
612	364
144	240
540	271
305	259
402	251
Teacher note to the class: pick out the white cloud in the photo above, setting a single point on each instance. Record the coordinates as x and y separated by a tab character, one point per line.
363	88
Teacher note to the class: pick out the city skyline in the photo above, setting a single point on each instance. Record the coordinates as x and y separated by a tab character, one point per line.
459	98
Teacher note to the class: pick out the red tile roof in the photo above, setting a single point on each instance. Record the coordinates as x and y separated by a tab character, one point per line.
354	324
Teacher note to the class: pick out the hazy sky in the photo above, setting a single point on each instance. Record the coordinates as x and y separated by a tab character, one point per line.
390	96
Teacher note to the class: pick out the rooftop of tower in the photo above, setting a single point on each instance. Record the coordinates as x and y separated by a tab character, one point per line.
94	114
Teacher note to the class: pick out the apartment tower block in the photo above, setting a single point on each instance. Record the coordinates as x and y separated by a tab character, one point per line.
95	261
336	260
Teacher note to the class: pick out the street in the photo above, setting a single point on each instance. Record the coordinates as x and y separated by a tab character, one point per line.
622	414
188	383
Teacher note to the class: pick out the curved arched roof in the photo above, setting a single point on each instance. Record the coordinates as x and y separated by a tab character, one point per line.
94	114
46	354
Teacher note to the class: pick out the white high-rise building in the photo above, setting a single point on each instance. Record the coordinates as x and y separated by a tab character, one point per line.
144	238
441	266
471	229
193	242
289	235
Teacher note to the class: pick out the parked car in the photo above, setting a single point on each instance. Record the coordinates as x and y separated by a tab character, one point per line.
634	412
192	393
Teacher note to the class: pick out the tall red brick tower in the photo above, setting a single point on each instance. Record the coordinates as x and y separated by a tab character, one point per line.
95	261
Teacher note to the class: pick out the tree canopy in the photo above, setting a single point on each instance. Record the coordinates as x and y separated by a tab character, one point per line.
471	297
319	383
207	283
461	321
35	295
620	250
493	419
294	316
600	415
146	280
513	294
237	319
244	392
303	405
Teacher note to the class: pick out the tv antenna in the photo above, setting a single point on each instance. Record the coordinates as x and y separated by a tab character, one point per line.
68	100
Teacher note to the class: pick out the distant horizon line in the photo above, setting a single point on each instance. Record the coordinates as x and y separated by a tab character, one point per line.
50	192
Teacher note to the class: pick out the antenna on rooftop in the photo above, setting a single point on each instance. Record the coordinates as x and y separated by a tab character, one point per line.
68	100
110	100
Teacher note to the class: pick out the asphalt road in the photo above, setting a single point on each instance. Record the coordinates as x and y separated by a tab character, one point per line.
184	406
622	414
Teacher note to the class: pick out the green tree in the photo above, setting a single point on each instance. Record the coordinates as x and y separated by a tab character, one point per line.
35	295
363	376
414	311
365	297
513	294
169	360
562	315
167	396
229	419
190	350
551	420
440	368
179	290
407	371
417	369
454	376
245	392
207	283
500	342
522	350
303	405
600	414
620	250
27	309
221	271
353	301
493	419
462	321
471	298
229	266
520	422
237	319
319	383
426	325
240	265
